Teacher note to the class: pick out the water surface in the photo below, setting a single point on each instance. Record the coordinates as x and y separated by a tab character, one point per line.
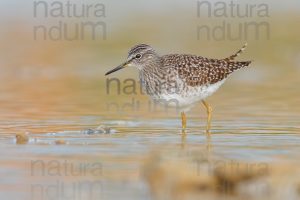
254	122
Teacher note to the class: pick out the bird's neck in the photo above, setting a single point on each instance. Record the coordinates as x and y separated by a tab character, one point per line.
151	71
152	66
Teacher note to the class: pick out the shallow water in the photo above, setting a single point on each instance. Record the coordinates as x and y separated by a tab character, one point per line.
252	123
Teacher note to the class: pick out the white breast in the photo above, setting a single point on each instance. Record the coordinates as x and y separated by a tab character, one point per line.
191	96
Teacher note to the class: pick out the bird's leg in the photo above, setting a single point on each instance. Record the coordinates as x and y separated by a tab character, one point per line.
183	120
208	110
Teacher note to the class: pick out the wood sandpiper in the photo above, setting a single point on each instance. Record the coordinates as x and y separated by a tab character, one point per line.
181	78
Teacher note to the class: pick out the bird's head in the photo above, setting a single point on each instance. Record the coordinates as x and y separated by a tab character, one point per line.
139	56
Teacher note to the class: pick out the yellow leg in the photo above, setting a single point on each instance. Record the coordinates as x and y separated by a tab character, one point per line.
183	120
208	110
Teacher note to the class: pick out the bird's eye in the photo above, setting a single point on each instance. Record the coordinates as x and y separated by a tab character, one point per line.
138	56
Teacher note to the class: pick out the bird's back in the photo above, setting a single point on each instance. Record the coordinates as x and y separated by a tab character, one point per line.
197	70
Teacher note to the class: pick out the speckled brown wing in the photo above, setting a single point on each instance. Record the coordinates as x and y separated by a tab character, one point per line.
197	70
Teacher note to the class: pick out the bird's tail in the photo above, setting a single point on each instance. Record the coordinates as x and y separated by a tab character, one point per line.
239	52
235	65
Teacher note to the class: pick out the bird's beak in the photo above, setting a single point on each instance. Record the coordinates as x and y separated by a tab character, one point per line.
125	64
